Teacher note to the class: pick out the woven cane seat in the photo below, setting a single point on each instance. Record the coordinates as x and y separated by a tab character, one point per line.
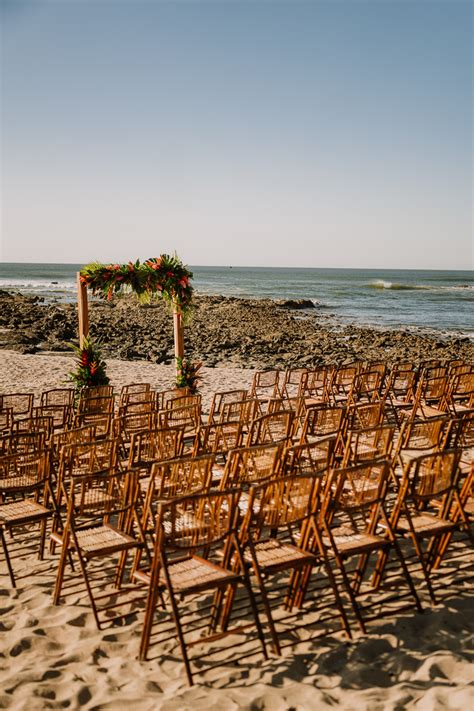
424	523
348	540
23	510
276	554
103	539
197	573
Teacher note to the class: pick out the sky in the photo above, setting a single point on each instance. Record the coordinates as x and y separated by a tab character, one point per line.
301	133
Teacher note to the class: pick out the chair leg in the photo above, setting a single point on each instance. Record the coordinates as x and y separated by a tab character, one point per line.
424	569
179	629
83	567
266	605
7	558
65	553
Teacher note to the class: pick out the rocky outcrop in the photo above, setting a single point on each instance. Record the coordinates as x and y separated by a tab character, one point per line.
252	333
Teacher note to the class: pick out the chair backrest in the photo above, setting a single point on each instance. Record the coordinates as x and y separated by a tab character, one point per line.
101	497
272	427
220	398
38	423
93	391
279	503
364	415
95	405
149	446
243	411
461	431
371	443
315	383
361	488
218	438
6	420
252	464
164	396
309	457
101	422
58	396
321	421
24	472
179	477
401	384
183	401
432	476
77	435
87	457
23	442
20	404
265	384
60	414
125	425
366	386
138	407
342	380
134	389
188	417
422	434
292	379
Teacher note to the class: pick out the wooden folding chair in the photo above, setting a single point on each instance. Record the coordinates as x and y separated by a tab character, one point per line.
196	555
356	524
175	477
275	535
101	522
426	505
25	497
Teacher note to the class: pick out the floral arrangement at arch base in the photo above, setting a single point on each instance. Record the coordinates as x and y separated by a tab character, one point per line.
165	275
187	374
90	366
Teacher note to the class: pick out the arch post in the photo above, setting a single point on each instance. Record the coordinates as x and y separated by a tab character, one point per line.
83	310
178	333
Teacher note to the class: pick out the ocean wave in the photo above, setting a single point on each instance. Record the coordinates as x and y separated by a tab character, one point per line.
383	284
37	286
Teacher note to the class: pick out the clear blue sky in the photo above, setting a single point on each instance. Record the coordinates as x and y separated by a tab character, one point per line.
315	133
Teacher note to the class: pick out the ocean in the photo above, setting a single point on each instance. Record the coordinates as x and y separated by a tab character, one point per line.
441	301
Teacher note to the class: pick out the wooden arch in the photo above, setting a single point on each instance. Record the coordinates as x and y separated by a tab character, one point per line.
164	276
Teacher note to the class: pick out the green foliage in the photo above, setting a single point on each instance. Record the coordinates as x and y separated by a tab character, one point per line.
90	366
166	276
188	374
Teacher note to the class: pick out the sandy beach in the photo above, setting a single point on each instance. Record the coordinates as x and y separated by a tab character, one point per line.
54	657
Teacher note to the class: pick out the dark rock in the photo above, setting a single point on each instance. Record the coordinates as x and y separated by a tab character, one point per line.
296	304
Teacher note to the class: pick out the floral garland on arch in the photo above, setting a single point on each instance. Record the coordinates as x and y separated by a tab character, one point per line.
165	275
